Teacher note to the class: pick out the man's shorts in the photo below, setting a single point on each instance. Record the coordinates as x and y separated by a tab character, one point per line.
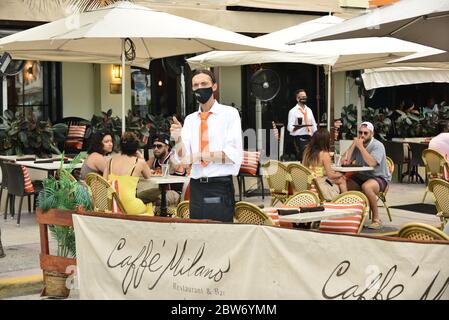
361	179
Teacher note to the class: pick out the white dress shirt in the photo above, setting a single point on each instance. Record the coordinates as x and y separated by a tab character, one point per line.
225	134
293	116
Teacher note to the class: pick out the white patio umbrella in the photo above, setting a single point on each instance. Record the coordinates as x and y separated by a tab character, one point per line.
98	36
397	76
424	22
342	55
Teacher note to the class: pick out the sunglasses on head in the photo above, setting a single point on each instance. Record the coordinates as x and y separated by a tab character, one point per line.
363	133
158	146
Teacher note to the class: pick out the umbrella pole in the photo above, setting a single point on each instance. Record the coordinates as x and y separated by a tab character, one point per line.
123	86
329	91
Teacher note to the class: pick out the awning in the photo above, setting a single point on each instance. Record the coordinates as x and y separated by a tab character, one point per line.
390	77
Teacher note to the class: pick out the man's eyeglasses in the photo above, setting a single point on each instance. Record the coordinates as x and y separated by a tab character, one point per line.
363	133
158	146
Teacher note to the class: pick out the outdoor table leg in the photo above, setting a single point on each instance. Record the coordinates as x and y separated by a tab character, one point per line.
162	187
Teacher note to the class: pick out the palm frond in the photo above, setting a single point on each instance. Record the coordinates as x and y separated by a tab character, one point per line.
87	5
64	193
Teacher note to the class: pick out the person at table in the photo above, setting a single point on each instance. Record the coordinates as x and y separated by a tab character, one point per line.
100	146
318	160
365	150
211	142
430	107
301	123
126	169
163	155
410	107
440	143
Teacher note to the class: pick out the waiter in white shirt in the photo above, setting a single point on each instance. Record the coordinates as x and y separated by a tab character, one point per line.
301	123
210	141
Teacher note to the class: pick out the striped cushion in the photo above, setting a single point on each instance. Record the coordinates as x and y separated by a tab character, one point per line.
250	162
76	132
273	214
346	224
29	188
115	206
74	144
75	137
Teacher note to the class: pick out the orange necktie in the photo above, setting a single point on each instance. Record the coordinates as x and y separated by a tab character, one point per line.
306	120
204	135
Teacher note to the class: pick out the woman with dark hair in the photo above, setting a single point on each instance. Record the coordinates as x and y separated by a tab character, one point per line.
126	169
100	145
317	158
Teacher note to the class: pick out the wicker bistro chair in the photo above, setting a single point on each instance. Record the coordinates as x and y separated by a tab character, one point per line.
435	163
183	210
440	190
301	177
422	232
304	198
382	196
102	193
352	197
278	180
17	187
246	212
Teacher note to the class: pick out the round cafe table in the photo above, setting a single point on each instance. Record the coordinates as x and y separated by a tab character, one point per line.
351	169
162	182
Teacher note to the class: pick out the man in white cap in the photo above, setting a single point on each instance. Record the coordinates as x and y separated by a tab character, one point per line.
365	150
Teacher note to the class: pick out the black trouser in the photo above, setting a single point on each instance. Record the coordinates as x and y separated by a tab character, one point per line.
212	198
300	143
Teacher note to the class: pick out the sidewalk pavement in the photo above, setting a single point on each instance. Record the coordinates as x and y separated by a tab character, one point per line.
21	276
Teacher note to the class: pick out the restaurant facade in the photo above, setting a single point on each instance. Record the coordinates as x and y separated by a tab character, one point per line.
55	90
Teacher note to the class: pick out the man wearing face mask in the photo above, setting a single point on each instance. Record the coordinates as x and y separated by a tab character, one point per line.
301	123
211	142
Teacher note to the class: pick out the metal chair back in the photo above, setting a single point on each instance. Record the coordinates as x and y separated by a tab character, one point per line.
301	177
246	212
352	197
421	232
183	210
4	183
434	162
440	190
304	198
16	185
278	179
102	193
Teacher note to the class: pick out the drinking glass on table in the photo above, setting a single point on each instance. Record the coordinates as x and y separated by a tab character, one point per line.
337	159
164	169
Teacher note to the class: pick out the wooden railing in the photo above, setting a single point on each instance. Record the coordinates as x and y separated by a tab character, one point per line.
52	263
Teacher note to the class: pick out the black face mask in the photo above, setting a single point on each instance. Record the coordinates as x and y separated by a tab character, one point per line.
303	100
203	95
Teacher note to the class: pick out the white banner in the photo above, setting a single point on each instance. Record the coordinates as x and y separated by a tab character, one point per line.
123	259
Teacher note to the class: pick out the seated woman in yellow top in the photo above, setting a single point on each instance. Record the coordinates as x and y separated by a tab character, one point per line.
317	158
126	168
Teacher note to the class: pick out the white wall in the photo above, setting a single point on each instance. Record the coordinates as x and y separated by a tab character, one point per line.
339	93
230	86
113	101
78	91
86	90
345	92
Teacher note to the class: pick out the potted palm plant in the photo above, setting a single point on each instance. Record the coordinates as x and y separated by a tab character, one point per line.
63	192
